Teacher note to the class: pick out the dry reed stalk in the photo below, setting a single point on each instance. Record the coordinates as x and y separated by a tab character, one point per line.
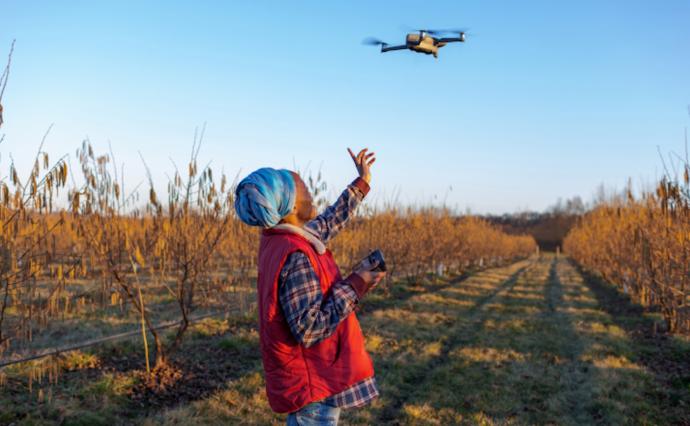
642	244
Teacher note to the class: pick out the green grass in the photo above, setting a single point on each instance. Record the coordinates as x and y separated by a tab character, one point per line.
529	343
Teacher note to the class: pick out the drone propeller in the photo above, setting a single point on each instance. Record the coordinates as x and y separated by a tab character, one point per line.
447	31
432	32
371	41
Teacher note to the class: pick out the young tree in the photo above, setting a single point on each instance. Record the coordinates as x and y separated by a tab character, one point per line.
174	244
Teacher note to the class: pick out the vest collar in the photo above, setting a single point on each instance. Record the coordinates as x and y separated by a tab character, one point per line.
304	232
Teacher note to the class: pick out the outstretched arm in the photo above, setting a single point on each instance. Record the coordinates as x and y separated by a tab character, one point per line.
334	218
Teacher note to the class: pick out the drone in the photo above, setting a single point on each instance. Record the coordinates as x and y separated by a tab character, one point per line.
421	41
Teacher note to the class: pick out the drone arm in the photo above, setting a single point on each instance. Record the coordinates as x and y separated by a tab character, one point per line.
449	39
387	48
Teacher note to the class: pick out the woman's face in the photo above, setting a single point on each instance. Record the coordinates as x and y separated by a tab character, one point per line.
304	203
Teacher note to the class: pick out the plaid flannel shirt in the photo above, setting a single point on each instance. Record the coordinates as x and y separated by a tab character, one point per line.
311	317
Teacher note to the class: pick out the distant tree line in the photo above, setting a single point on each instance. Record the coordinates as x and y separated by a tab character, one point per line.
549	227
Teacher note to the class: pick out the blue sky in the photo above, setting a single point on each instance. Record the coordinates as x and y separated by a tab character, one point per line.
544	100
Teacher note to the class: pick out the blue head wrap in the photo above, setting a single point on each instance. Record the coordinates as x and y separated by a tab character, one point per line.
265	196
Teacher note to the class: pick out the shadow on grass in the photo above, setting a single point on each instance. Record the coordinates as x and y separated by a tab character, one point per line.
510	359
498	371
413	376
666	356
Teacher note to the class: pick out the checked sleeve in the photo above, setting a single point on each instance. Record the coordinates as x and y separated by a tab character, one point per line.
311	315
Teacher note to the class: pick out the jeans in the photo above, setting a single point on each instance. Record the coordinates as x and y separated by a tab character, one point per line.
315	414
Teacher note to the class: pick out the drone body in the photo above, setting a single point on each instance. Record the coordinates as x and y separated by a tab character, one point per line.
421	41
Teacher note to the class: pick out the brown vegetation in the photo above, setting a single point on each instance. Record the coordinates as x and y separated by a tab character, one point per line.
643	246
27	248
164	259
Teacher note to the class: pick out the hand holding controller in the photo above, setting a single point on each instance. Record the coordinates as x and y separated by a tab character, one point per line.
373	262
369	272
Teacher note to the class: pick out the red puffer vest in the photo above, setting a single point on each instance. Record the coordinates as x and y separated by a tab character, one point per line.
296	375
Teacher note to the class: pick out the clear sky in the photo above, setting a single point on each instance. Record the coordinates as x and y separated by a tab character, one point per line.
546	99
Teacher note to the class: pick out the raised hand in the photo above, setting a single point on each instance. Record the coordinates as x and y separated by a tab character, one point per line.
363	162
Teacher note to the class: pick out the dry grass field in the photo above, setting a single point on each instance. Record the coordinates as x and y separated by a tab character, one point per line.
534	342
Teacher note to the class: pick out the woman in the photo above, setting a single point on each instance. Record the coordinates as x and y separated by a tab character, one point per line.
312	347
